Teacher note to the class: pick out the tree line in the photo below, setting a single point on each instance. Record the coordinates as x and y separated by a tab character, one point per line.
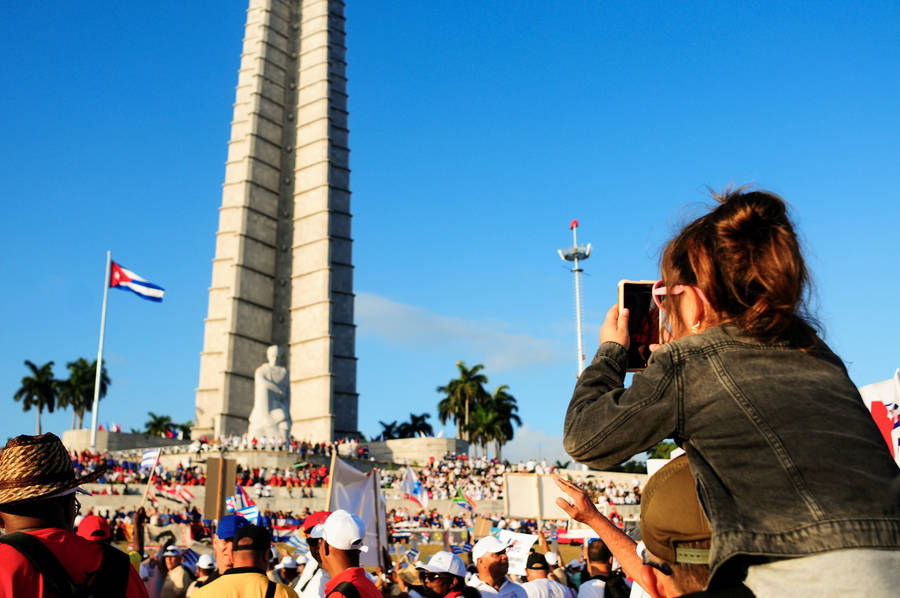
41	390
481	417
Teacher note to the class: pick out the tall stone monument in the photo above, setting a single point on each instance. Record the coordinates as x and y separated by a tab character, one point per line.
282	272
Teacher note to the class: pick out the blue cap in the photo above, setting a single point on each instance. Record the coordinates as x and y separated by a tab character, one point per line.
229	525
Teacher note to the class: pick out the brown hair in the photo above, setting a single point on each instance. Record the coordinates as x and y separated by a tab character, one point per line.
745	257
689	577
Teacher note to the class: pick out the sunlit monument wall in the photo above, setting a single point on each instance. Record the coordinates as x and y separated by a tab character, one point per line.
282	272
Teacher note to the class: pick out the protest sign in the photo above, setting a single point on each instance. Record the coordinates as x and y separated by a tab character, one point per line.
520	545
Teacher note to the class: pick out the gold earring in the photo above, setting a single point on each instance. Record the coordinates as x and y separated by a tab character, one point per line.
695	328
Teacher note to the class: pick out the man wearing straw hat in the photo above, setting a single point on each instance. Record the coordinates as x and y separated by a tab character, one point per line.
40	555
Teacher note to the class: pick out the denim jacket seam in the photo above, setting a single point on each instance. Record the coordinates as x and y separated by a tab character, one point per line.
776	444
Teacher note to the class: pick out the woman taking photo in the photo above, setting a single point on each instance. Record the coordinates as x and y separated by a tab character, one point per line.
798	485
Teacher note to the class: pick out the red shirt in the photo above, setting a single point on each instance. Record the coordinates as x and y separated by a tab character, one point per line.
79	557
356	576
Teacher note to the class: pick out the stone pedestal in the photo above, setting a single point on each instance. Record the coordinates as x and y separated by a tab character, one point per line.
80	440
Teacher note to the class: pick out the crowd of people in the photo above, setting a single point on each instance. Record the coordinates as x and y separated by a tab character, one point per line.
442	479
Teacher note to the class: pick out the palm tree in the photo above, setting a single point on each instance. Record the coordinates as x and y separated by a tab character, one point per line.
418	424
461	395
485	425
388	431
185	429
39	390
505	406
157	425
78	391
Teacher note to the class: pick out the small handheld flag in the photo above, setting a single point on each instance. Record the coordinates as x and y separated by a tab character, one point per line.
150	459
464	501
120	278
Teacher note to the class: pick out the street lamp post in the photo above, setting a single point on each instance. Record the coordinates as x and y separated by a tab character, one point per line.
574	254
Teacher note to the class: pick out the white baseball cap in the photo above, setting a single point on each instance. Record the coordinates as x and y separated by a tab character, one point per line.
172	551
206	562
288	562
552	559
344	531
316	531
445	562
488	544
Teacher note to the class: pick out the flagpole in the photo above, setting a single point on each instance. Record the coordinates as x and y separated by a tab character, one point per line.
95	407
331	480
149	481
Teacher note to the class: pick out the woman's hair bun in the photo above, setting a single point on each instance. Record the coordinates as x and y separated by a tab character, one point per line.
746	258
751	217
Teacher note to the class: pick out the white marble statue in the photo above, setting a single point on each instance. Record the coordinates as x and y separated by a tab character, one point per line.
271	415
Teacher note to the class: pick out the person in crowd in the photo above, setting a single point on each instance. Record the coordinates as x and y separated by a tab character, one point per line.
223	540
288	571
178	576
37	510
798	483
557	573
94	527
598	580
247	577
312	580
489	555
206	573
342	541
444	576
539	584
674	529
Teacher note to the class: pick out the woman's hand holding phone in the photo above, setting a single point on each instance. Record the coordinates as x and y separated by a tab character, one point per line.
615	327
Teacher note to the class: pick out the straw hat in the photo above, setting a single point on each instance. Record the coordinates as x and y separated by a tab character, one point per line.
34	467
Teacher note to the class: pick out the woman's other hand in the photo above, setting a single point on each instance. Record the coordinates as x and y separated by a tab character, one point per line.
615	327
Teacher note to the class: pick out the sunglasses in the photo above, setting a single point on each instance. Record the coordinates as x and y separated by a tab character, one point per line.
659	291
434	576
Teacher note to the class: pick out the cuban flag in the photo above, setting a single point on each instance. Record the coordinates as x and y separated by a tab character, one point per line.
413	490
467	547
456	549
150	459
120	278
412	555
241	499
298	543
250	513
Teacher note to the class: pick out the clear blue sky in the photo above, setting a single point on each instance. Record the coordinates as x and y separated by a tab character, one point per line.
478	131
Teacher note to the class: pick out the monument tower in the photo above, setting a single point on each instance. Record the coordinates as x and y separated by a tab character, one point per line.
282	272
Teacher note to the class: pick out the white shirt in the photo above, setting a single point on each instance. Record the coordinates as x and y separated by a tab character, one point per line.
592	588
547	588
317	579
507	590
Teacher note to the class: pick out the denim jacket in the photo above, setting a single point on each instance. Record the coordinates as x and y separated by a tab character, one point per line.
787	459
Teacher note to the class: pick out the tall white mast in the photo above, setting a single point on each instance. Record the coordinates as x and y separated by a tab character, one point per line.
574	254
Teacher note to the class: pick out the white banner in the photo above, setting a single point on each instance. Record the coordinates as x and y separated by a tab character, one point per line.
360	493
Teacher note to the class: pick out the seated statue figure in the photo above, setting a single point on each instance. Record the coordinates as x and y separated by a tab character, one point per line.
271	414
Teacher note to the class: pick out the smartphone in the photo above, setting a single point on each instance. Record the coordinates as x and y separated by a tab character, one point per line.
643	322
